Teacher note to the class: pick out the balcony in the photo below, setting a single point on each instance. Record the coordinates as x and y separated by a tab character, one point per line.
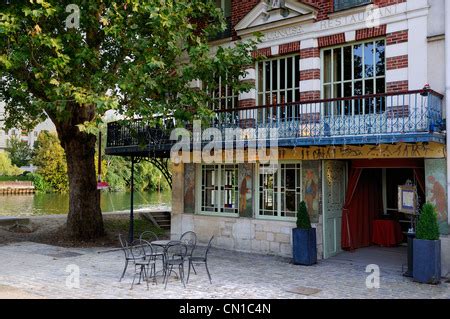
410	117
340	5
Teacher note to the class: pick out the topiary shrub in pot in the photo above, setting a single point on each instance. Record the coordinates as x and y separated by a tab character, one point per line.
304	244
427	247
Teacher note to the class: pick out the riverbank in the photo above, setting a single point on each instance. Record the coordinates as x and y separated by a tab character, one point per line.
51	229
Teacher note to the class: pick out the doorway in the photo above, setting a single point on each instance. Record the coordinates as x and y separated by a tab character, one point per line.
370	214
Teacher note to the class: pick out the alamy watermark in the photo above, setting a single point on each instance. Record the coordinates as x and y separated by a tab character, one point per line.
373	279
73	279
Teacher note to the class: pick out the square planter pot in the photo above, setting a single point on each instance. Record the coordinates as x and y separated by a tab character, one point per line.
427	261
304	246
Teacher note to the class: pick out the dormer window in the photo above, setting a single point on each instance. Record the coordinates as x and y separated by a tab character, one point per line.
348	4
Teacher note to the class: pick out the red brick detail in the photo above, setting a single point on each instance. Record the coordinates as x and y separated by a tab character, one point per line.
309	53
324	7
371	33
289	48
247	103
309	96
397	37
262	52
397	86
240	8
310	75
331	40
398	62
385	3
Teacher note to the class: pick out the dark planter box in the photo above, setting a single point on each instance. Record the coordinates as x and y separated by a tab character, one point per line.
304	246
427	261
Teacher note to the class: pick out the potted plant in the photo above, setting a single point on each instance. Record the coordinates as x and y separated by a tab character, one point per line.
304	239
427	247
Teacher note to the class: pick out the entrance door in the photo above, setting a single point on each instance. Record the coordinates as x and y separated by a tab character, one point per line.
335	186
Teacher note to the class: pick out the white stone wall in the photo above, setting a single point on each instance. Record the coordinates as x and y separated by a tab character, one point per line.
242	234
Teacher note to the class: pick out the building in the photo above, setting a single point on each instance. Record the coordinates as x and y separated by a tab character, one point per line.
27	136
347	86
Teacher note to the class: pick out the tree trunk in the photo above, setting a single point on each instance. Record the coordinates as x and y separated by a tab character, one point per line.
85	221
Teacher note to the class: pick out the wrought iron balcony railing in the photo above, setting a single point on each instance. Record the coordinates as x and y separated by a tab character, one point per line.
412	116
347	4
381	118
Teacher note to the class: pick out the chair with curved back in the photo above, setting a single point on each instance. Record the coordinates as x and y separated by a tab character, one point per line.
144	261
175	256
197	260
157	252
189	238
127	250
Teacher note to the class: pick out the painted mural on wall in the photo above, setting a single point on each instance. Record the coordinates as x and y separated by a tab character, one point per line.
245	190
312	188
189	188
435	171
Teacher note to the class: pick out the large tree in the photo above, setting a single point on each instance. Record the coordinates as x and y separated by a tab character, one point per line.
137	57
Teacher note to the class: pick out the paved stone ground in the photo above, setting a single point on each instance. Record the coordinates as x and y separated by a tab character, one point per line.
40	270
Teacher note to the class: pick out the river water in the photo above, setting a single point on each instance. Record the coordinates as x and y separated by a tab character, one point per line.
52	204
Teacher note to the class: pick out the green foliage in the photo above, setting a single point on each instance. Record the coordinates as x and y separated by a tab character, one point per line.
51	162
303	221
427	226
19	151
146	176
6	167
40	184
150	50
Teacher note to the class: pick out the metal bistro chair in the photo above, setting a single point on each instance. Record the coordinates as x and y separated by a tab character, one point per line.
196	260
189	238
157	252
126	247
145	267
175	256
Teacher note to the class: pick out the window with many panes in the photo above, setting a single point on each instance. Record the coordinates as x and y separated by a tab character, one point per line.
219	189
223	96
280	191
278	80
352	70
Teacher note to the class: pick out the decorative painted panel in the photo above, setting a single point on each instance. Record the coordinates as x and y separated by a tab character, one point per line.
189	188
246	190
435	172
312	188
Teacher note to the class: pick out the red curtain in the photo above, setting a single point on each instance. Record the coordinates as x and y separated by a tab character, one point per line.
363	205
346	235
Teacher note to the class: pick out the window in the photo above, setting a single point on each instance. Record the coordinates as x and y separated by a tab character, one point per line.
219	189
280	190
352	70
224	97
225	5
278	80
347	4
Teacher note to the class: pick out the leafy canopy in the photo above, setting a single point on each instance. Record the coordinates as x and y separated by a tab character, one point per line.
427	226
133	56
6	167
19	151
51	161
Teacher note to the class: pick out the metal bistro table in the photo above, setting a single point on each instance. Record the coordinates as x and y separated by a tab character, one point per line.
164	244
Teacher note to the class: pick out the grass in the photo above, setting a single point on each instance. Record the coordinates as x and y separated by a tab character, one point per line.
20	178
121	226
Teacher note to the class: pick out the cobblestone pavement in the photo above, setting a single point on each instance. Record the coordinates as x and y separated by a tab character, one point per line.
41	270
